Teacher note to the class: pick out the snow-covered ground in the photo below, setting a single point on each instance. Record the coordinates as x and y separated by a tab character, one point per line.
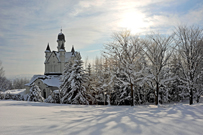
31	118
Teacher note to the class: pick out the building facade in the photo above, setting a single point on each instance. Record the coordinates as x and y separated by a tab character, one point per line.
55	62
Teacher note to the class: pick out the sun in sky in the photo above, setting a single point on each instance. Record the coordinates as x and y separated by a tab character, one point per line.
134	21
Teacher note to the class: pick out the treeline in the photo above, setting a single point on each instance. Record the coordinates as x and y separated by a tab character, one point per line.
136	69
6	84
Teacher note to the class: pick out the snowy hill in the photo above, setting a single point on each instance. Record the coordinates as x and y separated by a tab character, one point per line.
22	117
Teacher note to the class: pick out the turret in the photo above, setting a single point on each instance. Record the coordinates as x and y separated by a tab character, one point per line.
47	51
73	50
61	40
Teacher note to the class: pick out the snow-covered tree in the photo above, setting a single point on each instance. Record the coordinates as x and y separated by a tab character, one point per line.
190	48
66	84
177	92
72	89
97	81
1	70
158	50
89	70
126	52
35	94
88	85
5	84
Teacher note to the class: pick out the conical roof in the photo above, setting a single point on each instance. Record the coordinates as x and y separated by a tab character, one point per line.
48	48
73	50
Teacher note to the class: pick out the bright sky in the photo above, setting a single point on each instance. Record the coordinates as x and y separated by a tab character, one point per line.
26	27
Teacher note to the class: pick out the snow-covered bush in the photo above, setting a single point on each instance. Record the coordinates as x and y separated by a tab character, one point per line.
24	97
49	99
53	98
7	96
35	94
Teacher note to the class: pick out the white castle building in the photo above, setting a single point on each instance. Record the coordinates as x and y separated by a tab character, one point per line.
54	65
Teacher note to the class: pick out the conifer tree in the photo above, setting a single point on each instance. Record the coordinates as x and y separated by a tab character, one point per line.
88	85
65	86
72	88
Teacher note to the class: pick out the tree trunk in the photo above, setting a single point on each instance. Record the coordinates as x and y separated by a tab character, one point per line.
132	97
157	94
191	96
104	99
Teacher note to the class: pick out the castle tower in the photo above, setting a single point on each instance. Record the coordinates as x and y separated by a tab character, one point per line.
47	52
61	41
55	60
62	52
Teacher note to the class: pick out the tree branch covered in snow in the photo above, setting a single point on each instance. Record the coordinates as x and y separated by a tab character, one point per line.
190	48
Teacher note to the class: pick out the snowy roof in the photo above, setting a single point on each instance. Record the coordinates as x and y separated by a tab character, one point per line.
51	80
47	51
34	78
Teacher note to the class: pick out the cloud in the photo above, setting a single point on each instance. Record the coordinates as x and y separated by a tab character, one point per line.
194	16
27	27
90	51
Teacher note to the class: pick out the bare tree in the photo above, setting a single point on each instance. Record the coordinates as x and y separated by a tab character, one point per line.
158	50
1	70
190	48
19	83
86	62
5	84
124	53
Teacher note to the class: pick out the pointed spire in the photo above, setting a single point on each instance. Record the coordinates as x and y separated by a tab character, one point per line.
73	50
48	48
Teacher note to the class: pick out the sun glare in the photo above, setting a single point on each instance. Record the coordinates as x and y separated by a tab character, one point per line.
133	21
